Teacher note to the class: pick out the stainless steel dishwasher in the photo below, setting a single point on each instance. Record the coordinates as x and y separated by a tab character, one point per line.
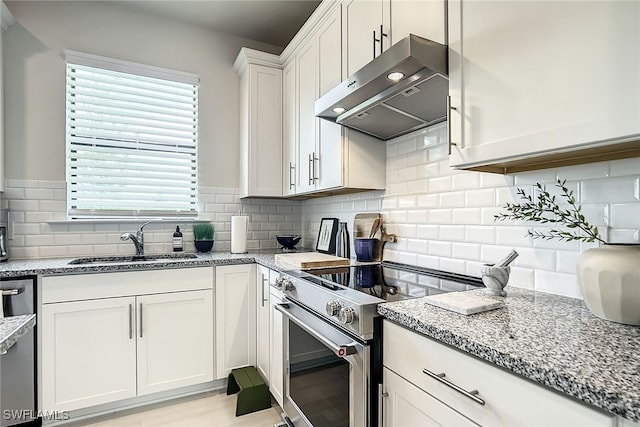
18	369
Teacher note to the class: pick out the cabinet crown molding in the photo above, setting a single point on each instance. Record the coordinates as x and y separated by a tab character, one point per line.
251	56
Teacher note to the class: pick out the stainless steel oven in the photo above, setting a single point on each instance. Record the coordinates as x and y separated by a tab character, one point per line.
326	372
333	337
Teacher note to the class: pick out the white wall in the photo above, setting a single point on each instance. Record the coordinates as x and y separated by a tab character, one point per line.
444	218
34	79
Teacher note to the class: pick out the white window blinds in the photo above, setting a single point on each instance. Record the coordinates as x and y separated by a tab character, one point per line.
131	139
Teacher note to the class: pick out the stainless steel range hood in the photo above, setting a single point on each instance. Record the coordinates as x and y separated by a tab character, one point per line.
370	102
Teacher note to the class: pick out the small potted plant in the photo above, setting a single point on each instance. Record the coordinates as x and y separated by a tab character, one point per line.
203	236
608	275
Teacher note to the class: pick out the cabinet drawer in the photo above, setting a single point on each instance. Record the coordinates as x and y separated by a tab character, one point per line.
509	399
117	284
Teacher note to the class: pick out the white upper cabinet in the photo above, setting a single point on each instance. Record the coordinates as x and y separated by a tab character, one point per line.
361	29
307	77
290	129
260	124
424	18
328	155
539	84
372	26
6	20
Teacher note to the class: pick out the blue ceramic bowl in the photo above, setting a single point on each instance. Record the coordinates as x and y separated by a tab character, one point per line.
288	242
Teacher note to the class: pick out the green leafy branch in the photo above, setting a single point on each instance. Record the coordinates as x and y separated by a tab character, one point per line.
544	209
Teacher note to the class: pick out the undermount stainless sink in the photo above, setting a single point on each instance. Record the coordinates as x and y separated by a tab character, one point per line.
131	258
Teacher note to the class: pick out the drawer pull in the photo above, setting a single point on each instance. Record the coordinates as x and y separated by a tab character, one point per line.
473	395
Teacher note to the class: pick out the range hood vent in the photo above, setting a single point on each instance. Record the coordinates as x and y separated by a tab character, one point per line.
368	101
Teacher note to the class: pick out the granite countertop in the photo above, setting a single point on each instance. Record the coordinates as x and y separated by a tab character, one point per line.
60	266
550	339
12	328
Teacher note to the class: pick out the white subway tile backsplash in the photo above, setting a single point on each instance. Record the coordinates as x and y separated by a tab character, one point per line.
613	190
441	249
557	283
466	181
625	215
480	234
440	184
466	251
466	216
453	199
625	167
480	198
451	233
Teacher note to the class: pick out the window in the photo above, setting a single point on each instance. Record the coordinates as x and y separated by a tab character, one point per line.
132	137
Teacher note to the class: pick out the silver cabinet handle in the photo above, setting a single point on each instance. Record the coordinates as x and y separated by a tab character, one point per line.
374	44
130	321
376	40
473	395
382	34
140	311
263	298
315	159
381	395
310	169
449	108
291	176
12	292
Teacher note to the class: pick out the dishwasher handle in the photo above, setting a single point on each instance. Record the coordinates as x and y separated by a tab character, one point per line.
12	292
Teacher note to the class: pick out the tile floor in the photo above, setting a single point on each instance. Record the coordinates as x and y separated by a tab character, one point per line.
209	410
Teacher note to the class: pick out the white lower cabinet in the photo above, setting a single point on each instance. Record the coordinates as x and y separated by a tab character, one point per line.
276	374
505	399
235	318
407	405
88	353
113	336
176	327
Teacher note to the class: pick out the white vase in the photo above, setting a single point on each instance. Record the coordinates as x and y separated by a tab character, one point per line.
609	280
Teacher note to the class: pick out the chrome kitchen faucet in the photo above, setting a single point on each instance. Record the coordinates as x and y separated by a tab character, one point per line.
137	239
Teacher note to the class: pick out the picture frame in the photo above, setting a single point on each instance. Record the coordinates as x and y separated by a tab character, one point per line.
326	242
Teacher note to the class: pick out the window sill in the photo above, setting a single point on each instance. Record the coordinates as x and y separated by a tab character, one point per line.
125	221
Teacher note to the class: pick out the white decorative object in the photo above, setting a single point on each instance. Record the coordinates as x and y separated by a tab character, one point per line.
463	302
239	234
495	279
609	280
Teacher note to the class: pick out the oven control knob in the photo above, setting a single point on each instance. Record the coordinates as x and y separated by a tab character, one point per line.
278	283
347	315
333	308
287	285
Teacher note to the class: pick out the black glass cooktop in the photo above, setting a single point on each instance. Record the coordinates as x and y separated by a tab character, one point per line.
394	282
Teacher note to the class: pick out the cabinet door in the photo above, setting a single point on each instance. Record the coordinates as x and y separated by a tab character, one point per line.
175	340
262	324
422	18
361	19
307	69
88	353
329	37
235	318
265	131
290	128
529	79
329	163
407	405
276	381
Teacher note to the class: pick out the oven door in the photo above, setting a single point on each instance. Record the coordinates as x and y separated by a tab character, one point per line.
326	372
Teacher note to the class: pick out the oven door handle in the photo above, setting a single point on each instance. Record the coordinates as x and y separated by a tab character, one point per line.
339	350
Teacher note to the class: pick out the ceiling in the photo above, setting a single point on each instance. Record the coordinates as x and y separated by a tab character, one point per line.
269	21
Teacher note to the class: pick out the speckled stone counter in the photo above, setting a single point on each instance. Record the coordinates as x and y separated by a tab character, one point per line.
550	339
59	266
12	328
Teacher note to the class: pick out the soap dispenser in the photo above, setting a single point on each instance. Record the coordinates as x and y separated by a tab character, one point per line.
177	240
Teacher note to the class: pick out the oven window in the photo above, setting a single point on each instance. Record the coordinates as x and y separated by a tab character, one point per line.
319	380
